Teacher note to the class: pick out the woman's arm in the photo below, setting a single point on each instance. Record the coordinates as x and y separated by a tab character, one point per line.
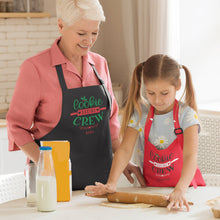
24	103
31	150
120	161
177	197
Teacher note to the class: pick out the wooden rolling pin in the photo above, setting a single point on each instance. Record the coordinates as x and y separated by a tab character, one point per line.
131	198
125	197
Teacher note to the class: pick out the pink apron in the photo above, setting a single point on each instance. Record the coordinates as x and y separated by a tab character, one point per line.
163	168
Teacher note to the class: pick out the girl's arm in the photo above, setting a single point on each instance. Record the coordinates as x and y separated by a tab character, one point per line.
120	161
131	168
177	197
123	155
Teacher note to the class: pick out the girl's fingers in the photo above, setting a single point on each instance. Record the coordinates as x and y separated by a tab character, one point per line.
92	194
166	197
98	189
99	184
187	205
170	205
89	188
181	205
176	205
92	188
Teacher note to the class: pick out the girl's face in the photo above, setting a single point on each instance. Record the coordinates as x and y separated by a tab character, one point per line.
77	39
161	95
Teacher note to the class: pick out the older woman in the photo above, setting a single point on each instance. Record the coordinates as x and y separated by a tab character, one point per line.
65	93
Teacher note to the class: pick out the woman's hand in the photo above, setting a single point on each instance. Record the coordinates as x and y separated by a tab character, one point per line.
177	200
100	189
132	168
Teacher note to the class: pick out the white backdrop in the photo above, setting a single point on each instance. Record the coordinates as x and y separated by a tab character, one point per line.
154	29
200	48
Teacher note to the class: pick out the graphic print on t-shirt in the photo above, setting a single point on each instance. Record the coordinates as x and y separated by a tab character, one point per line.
162	165
88	113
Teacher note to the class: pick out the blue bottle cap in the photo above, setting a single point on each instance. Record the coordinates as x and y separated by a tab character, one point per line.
45	148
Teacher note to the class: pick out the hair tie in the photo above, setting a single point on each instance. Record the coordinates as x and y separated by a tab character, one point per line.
180	66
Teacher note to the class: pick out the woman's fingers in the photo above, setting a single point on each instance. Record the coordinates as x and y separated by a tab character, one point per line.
140	177
132	168
128	176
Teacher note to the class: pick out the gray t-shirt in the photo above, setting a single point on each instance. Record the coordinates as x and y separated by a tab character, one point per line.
162	129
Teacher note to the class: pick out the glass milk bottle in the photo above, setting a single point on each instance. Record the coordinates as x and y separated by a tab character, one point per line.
46	181
30	173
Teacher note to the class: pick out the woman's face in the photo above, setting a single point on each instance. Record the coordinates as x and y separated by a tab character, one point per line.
161	95
77	39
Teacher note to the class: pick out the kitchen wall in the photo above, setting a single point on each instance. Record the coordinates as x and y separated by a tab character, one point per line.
112	41
50	7
21	38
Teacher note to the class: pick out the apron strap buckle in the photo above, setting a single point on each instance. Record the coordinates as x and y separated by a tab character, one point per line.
178	131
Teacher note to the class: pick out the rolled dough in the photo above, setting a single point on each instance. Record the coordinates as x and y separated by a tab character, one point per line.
125	206
211	202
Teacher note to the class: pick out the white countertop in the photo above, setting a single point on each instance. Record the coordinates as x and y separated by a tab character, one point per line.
85	208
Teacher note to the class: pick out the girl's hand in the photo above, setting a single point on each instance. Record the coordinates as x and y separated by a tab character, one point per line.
100	189
177	200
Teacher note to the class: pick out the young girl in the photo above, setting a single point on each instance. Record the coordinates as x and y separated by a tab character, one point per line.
167	130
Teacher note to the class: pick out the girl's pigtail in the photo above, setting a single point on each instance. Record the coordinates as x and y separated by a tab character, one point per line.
133	99
190	99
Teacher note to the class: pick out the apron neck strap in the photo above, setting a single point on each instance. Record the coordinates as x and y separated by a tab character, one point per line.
103	85
97	75
61	77
177	129
62	80
175	110
149	121
150	115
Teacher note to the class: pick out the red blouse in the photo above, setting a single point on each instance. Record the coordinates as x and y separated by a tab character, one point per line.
35	107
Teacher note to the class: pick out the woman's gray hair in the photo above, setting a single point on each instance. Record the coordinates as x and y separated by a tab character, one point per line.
71	11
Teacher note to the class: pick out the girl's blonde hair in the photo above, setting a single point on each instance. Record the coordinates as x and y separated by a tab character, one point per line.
156	67
71	11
